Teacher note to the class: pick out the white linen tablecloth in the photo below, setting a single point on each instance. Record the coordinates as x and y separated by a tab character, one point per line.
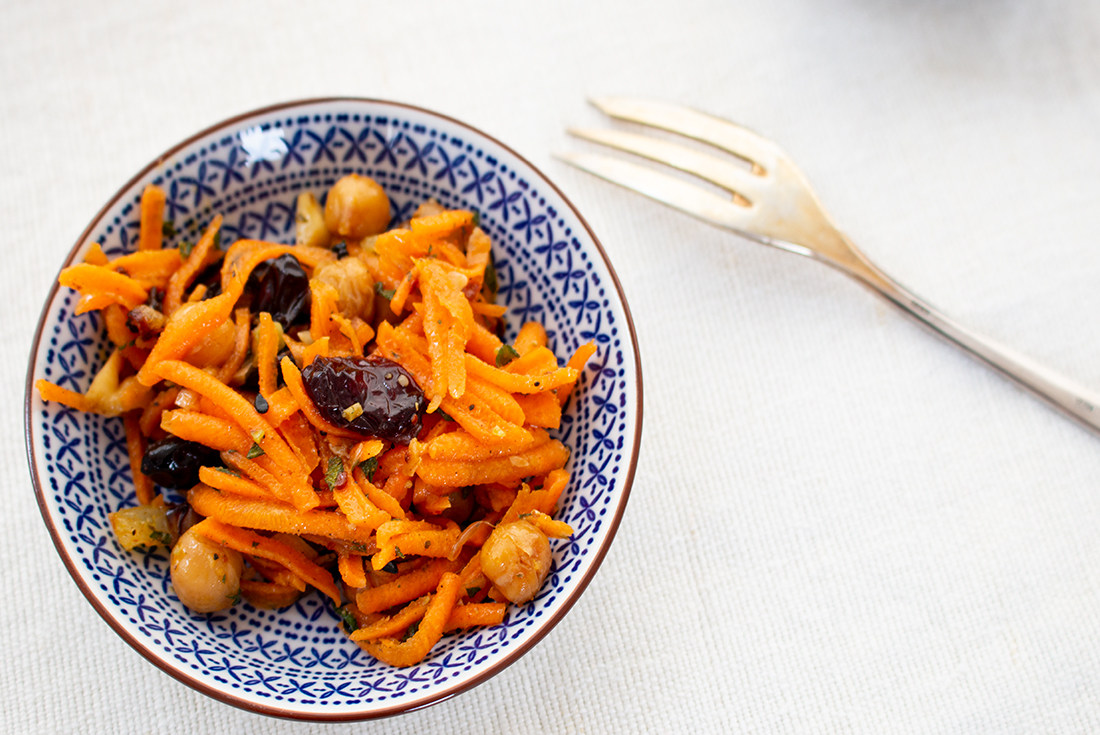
839	522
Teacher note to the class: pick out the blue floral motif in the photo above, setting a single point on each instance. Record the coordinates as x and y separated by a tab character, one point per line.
547	270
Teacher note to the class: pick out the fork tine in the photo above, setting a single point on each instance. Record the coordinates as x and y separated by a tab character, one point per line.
709	168
714	131
693	200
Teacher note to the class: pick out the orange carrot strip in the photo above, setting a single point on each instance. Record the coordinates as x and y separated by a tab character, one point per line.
259	474
135	447
187	327
540	409
293	377
253	544
475	614
483	344
405	588
151	231
53	392
298	434
391	625
280	406
93	301
383	500
150	417
96	255
149	267
209	431
520	383
535	461
267	346
115	318
412	651
275	516
531	335
462	446
245	415
401	293
484	309
243	319
318	348
576	362
230	482
351	570
269	595
441	225
496	398
195	262
103	282
358	509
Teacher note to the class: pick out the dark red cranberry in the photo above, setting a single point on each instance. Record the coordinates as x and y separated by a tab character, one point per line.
282	290
392	403
175	463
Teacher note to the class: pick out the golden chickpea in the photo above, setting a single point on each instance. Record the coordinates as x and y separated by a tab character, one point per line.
516	558
205	575
353	283
356	208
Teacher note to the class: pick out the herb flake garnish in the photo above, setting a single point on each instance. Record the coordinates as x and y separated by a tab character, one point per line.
334	473
386	293
369	467
255	451
506	354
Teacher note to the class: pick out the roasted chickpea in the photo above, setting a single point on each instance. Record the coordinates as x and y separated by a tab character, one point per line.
205	576
356	208
516	558
353	283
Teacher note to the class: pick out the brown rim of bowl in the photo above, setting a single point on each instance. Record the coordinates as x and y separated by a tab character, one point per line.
223	696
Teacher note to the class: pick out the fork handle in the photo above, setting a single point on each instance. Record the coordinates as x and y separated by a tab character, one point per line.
1075	401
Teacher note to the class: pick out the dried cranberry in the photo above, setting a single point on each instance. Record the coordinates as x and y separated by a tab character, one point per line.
282	290
175	463
392	403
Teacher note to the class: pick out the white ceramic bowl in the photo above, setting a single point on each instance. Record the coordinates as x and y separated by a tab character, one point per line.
297	663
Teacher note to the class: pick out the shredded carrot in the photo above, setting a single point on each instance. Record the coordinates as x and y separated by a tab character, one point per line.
253	544
135	447
151	234
406	587
243	320
53	392
474	614
351	570
229	481
412	651
195	262
275	516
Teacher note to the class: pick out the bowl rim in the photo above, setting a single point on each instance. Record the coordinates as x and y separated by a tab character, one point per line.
282	712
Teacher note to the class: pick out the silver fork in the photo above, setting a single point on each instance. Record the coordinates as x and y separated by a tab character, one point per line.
772	203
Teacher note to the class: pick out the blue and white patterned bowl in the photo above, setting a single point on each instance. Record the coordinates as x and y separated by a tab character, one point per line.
297	663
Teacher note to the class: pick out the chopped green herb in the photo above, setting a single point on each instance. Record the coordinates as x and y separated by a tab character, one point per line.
186	248
386	293
397	550
350	623
168	228
505	355
255	451
334	473
360	547
162	536
218	240
477	218
369	467
411	631
443	415
471	591
491	276
235	597
227	471
224	575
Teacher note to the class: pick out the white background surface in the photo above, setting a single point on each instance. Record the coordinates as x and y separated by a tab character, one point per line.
839	523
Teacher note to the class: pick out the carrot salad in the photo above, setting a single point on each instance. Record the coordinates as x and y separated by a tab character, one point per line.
341	414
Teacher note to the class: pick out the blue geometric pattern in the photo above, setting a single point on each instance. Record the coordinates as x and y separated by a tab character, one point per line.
251	170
